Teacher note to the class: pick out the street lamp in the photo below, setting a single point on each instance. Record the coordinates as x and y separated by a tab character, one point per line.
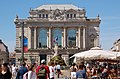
17	21
22	41
22	23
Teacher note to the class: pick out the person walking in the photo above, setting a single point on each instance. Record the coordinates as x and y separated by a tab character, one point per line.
42	71
73	70
52	70
58	68
21	71
31	74
81	73
14	70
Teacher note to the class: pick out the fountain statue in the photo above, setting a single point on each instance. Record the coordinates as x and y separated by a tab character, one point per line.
56	50
57	57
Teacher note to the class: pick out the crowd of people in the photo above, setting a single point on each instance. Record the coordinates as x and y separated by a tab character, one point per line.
30	71
94	71
42	71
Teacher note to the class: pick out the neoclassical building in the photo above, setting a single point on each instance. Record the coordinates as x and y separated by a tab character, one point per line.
116	46
75	32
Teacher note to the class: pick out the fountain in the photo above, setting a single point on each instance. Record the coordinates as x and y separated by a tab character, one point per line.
57	57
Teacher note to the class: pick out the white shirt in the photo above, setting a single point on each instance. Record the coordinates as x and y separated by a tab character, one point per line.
31	75
13	69
52	71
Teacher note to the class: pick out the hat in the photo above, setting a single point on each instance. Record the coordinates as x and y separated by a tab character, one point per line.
88	65
42	61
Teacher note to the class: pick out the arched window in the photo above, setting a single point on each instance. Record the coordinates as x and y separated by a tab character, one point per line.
71	38
92	38
57	37
43	38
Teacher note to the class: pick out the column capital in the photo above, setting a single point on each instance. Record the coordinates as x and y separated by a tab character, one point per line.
84	27
50	27
36	27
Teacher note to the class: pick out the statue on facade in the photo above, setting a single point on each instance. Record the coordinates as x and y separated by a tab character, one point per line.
57	15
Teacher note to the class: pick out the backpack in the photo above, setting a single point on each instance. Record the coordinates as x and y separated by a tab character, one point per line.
25	76
42	72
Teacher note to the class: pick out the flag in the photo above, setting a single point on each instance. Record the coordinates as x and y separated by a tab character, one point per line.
56	38
25	48
25	41
25	44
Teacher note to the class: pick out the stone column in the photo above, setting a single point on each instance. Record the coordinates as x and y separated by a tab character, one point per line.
35	37
79	37
84	37
76	39
50	37
38	37
65	40
62	39
29	38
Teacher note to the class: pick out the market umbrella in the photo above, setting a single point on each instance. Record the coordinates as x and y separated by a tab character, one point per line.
117	54
95	53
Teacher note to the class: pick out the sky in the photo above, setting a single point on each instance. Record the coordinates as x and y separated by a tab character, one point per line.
108	10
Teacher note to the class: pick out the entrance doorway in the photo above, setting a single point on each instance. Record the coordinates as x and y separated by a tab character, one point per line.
43	56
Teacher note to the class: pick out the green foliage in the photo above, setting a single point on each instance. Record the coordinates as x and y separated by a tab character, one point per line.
57	59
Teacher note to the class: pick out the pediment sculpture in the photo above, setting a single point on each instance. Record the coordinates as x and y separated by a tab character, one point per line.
57	15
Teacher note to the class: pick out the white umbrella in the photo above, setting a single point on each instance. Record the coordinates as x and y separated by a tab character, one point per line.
116	53
95	53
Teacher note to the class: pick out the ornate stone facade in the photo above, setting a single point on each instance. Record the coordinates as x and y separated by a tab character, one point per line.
116	46
75	31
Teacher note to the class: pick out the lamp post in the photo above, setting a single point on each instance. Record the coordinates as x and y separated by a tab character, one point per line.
22	41
21	23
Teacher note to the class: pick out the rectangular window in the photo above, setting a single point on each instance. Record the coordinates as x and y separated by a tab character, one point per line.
39	15
43	15
67	15
46	15
74	15
70	15
92	42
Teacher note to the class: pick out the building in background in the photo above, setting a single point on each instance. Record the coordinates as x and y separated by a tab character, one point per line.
12	58
116	46
65	24
4	53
